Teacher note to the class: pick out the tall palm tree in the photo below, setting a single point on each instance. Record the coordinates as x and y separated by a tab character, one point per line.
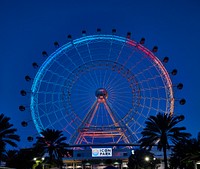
52	142
161	130
7	134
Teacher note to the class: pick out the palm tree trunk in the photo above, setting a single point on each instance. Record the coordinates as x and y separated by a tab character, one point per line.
51	155
165	156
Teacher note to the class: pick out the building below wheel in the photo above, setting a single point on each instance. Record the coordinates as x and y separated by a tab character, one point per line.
94	158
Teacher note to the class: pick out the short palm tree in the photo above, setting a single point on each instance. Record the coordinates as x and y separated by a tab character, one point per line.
188	152
7	134
193	153
10	158
160	130
19	159
52	142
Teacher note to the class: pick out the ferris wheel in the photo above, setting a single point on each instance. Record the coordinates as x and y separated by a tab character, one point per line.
100	89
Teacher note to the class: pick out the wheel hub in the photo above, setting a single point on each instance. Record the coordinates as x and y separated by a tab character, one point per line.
101	94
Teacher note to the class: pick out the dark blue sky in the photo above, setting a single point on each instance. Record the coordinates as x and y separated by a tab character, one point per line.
29	27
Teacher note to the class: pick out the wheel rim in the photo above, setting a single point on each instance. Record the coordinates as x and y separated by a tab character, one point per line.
137	84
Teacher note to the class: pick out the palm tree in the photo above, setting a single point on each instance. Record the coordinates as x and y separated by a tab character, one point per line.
187	152
10	157
193	153
20	159
52	142
161	129
7	134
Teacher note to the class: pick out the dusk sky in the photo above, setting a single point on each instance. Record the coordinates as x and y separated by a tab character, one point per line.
29	27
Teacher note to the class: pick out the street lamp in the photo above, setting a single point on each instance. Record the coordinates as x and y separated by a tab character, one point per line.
147	158
38	161
197	164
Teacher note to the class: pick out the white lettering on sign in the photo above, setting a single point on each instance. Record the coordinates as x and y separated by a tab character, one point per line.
101	152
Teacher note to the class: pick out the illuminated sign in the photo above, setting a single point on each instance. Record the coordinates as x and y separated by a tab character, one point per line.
101	152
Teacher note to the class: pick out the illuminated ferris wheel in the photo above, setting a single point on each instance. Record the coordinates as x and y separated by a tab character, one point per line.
100	89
